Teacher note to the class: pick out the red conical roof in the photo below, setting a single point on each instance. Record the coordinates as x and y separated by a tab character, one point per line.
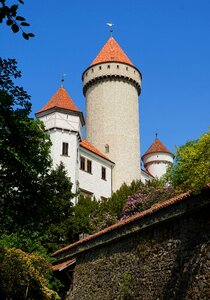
111	52
157	146
60	99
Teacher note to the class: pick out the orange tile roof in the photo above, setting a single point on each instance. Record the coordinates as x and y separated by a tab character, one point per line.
61	266
111	52
85	144
157	146
60	99
135	217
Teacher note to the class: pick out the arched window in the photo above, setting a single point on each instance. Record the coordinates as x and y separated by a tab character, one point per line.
106	148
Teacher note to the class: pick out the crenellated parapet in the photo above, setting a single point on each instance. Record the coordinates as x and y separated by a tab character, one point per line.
114	71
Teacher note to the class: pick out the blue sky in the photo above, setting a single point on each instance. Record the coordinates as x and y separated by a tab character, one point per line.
168	40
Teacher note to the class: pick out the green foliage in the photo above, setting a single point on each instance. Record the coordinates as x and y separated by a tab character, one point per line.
10	13
25	241
24	152
192	168
24	275
35	201
34	198
56	215
84	210
126	286
115	204
150	194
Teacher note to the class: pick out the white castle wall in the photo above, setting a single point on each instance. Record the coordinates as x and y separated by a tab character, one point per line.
63	120
112	117
93	182
71	162
64	128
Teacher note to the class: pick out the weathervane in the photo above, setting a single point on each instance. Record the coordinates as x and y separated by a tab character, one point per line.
62	79
156	135
110	24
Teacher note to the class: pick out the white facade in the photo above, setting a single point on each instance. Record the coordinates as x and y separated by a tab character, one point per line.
93	182
64	127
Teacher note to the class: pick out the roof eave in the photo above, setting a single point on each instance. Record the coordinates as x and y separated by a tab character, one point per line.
42	113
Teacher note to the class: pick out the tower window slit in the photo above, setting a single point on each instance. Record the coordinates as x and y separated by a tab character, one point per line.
65	149
106	148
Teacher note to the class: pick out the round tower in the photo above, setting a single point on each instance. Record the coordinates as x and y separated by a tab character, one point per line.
111	86
157	159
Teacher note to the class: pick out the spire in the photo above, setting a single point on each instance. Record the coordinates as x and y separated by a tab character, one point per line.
157	146
111	52
62	79
60	99
110	24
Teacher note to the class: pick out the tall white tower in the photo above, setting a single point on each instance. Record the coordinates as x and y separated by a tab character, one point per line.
111	86
157	159
63	121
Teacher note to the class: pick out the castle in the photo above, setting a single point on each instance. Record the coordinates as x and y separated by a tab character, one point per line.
110	154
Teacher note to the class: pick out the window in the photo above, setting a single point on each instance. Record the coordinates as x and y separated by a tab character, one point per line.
65	149
108	67
86	193
106	148
103	173
82	163
85	164
100	68
89	166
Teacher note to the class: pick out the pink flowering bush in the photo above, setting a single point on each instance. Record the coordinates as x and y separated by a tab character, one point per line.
149	196
133	205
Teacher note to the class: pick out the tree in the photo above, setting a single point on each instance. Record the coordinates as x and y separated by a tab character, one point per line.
56	215
24	152
84	210
115	204
192	167
15	21
24	275
34	198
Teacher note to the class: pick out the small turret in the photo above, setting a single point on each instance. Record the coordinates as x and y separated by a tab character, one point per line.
63	121
157	159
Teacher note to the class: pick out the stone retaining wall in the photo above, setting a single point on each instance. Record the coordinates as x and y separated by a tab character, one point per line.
169	259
